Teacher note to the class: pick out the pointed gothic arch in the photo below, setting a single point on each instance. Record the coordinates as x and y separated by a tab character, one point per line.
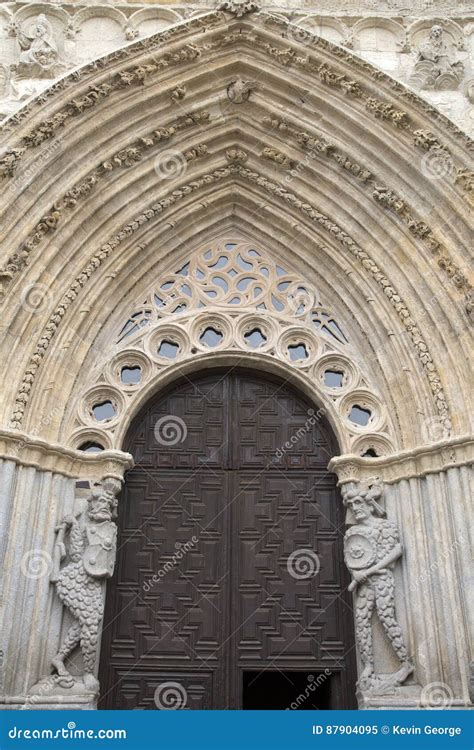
283	140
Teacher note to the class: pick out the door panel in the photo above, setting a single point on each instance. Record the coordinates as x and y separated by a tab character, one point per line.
204	591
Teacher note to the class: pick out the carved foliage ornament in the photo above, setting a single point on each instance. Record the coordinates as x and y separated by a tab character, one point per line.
383	195
126	157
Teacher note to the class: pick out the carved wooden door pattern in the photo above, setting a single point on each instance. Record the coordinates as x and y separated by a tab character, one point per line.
217	521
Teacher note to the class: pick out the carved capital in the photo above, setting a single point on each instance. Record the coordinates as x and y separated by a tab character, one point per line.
419	462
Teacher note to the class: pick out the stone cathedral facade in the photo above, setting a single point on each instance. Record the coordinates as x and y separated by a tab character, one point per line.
236	309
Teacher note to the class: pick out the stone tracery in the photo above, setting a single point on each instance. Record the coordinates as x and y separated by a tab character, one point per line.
230	298
234	274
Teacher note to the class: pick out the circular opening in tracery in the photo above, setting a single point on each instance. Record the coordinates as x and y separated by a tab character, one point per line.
297	352
255	338
131	375
370	453
333	378
336	373
104	411
360	416
211	337
298	346
168	349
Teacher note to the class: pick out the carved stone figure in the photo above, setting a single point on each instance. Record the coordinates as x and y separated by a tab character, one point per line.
91	542
371	549
239	8
39	57
435	68
238	91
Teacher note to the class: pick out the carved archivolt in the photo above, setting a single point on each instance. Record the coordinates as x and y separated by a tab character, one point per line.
334	67
237	168
386	197
125	157
138	148
227	300
314	65
331	76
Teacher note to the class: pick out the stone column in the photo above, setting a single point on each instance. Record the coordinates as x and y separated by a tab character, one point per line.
426	497
40	485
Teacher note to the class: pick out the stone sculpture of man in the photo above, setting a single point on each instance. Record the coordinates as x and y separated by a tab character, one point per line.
91	558
371	549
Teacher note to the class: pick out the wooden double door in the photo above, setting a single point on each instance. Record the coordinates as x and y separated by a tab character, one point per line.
230	589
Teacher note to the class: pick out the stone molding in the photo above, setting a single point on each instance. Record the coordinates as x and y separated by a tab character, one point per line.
235	167
386	197
420	138
124	157
28	450
133	152
187	53
419	462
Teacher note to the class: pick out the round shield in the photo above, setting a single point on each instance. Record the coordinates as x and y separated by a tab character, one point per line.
359	551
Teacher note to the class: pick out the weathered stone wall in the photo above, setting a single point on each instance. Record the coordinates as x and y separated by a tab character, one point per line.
388	34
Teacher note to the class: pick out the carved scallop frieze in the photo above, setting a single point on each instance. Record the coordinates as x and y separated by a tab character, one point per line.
184	337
